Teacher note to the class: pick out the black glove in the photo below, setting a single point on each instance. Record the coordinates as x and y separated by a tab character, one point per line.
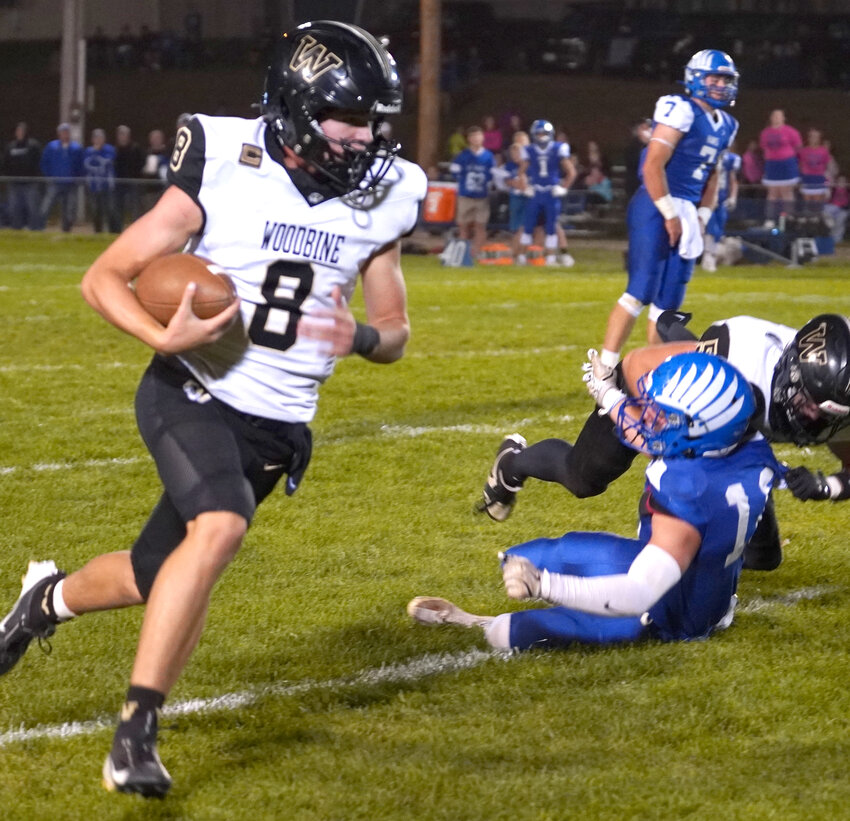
806	485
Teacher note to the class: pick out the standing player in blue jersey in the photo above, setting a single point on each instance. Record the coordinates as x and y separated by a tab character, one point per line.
706	487
550	172
727	198
473	168
689	135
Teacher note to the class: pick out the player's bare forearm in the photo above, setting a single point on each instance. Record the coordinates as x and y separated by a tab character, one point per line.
385	298
642	360
105	286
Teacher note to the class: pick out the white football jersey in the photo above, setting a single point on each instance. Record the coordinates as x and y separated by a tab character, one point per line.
285	251
753	346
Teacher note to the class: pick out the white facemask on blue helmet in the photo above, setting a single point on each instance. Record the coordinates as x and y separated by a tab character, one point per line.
702	67
542	132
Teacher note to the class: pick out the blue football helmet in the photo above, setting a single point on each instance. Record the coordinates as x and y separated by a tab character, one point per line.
542	132
705	63
692	404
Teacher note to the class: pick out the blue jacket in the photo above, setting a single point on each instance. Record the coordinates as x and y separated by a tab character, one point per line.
62	161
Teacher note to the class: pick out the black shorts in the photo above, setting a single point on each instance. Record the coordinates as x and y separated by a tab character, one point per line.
209	455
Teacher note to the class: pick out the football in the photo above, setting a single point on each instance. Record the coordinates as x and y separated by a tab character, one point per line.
161	284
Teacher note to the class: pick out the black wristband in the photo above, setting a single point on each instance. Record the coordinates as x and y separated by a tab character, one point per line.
366	339
843	476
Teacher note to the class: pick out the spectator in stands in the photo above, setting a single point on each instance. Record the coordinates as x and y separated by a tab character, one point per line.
62	163
126	51
815	160
473	169
510	125
129	160
456	142
835	210
516	182
641	132
492	136
593	175
99	165
22	159
752	164
780	143
155	167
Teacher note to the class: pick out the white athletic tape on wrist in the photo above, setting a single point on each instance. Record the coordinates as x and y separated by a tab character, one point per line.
609	399
666	206
704	213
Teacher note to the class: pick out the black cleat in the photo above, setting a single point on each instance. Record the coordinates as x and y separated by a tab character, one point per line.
499	496
29	618
133	766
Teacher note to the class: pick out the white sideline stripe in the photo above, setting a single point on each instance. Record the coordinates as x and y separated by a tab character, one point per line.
72	366
388	431
490	354
414	670
757	604
75	366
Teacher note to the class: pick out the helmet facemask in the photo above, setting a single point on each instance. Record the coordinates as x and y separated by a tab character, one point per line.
794	413
323	68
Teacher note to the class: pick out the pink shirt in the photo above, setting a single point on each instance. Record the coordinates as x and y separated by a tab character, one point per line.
493	140
814	160
780	143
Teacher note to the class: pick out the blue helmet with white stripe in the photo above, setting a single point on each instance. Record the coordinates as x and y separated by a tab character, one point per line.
542	132
692	404
703	65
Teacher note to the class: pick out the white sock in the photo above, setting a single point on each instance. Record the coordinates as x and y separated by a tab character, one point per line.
498	632
609	358
62	611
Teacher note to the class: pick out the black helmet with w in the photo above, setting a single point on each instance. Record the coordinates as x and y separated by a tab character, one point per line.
324	67
811	382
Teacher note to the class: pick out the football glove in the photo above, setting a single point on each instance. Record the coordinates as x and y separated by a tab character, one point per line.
807	486
601	382
521	577
559	191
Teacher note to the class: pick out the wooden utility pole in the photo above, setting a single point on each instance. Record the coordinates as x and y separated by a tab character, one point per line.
429	83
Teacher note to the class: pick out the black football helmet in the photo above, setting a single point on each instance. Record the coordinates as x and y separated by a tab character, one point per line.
811	382
328	66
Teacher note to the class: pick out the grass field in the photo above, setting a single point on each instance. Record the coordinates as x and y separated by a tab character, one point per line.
311	695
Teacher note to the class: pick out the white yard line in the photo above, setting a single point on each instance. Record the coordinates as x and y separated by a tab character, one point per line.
757	604
409	671
387	431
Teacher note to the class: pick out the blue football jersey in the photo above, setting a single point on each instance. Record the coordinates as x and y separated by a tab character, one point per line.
544	164
705	135
473	172
730	164
723	499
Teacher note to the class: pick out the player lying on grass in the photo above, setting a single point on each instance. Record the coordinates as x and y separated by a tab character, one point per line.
801	380
706	486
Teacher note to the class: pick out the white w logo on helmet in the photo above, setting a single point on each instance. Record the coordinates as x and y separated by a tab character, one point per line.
312	59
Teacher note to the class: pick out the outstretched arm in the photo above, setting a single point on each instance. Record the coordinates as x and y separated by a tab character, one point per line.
654	571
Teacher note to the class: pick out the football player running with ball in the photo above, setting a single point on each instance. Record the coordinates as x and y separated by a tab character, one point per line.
293	205
706	486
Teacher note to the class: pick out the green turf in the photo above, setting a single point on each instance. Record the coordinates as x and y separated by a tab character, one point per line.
752	724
